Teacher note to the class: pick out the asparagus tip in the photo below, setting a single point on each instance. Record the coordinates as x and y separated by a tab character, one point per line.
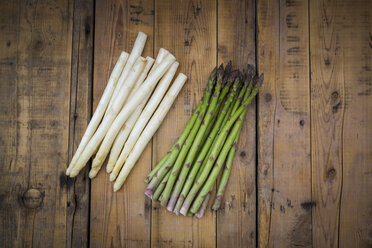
74	172
234	74
93	173
228	67
112	177
116	187
250	69
260	80
220	71
109	168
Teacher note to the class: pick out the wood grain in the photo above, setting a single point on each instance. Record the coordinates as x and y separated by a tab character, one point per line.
78	198
314	121
341	122
122	218
188	30
356	199
284	173
236	221
35	59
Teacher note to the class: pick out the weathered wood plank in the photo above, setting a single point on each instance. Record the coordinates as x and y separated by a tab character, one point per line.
356	199
341	122
35	58
80	112
188	30
236	221
284	173
122	218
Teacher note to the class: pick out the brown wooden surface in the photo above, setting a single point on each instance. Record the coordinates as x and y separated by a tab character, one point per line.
78	196
341	108
284	170
311	154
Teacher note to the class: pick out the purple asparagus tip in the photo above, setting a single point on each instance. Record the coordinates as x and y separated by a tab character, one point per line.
220	71
230	77
260	80
250	69
214	71
228	67
254	80
248	78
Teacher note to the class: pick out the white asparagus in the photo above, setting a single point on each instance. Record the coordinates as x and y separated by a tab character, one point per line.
97	163
116	148
122	117
150	129
142	77
101	108
110	116
127	128
146	114
123	135
161	55
136	52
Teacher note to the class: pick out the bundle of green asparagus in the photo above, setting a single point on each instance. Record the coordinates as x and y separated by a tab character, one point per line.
183	180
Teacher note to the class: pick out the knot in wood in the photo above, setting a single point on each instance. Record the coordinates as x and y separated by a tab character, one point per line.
331	173
32	198
268	97
334	95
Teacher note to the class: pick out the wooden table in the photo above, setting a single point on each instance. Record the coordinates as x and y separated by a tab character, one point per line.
302	175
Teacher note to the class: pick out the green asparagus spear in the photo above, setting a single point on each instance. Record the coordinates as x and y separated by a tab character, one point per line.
207	187
157	167
157	178
215	152
225	174
199	124
161	187
206	146
197	143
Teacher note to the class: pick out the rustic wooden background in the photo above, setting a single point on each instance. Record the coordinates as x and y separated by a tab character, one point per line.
303	172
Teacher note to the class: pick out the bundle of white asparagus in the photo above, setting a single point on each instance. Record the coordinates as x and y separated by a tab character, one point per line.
131	109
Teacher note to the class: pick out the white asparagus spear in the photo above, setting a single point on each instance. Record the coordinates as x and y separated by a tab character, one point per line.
146	88
161	55
150	129
116	149
96	166
120	119
101	108
137	49
146	114
110	116
142	77
128	126
123	135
